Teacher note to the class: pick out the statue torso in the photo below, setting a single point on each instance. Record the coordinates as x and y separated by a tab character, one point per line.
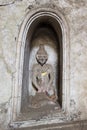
42	74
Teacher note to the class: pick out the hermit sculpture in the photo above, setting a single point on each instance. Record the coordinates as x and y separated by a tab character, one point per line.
43	75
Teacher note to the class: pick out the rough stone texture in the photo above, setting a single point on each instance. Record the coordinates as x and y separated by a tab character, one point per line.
11	16
65	126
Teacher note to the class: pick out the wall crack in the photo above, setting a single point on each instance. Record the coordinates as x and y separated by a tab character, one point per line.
8	3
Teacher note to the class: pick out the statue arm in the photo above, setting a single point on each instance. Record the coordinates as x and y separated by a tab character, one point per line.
51	75
34	80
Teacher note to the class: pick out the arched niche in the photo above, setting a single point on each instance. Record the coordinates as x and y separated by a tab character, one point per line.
37	22
44	30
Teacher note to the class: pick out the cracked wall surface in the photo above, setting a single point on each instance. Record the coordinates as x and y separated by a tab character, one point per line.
12	13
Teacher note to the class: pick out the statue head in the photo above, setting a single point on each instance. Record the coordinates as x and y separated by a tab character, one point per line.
41	55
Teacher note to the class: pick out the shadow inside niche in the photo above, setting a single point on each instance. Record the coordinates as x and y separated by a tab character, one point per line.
36	105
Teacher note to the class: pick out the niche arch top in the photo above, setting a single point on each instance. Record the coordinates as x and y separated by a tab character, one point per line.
31	21
55	16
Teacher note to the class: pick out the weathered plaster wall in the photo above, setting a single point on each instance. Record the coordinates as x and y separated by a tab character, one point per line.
12	13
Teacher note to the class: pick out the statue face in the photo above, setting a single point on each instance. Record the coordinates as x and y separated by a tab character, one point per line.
41	59
41	55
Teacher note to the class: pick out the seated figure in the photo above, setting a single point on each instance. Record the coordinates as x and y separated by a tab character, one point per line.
43	74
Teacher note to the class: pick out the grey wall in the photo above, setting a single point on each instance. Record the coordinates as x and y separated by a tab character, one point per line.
11	16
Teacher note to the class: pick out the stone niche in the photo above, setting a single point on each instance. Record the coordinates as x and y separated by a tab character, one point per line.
47	27
43	32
